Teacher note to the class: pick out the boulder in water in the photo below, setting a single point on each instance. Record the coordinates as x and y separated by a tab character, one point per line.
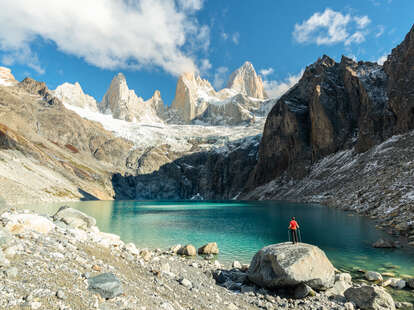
187	250
373	276
287	264
209	248
370	298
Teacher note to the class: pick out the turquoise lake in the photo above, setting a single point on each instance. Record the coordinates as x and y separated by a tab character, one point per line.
242	228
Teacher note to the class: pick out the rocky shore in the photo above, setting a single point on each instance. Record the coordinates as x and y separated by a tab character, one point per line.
65	262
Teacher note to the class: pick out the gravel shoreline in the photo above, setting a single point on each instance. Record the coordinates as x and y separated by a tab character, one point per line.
47	264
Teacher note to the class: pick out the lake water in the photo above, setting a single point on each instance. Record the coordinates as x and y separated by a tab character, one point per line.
242	228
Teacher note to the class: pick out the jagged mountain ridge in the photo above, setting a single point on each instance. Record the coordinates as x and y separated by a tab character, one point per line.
196	101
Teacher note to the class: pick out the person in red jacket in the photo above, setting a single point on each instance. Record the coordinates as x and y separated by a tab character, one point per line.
293	227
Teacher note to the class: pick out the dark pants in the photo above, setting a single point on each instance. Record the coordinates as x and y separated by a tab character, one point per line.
294	235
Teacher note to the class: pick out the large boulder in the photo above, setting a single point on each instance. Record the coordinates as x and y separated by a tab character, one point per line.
370	298
209	248
382	243
74	218
285	264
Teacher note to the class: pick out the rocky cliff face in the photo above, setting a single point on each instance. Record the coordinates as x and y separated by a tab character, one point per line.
124	104
337	106
72	94
245	80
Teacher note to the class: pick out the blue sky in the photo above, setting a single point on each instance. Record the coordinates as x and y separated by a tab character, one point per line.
152	41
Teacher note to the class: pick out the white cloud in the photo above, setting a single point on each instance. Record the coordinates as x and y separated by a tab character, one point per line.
205	65
23	56
275	89
235	38
224	35
331	27
220	77
362	22
357	37
110	34
382	59
266	72
380	32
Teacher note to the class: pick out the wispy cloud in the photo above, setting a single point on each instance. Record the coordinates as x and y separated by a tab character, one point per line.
235	38
380	32
276	89
331	27
109	34
220	77
266	72
23	56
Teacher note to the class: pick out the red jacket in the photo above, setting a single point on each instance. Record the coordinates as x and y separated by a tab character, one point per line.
293	225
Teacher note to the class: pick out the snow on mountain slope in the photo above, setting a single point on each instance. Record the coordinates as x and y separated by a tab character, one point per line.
177	136
72	94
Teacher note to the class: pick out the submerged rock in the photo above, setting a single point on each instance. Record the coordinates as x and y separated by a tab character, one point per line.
382	243
284	264
370	298
373	276
209	248
106	284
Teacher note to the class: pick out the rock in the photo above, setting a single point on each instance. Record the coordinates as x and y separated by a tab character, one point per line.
4	262
246	289
236	264
175	248
397	283
404	305
19	223
187	283
373	276
11	272
74	218
35	305
5	237
245	267
349	306
388	274
187	250
382	243
60	295
209	248
106	284
370	298
410	283
284	264
343	281
131	248
302	291
238	276
231	306
146	255
165	268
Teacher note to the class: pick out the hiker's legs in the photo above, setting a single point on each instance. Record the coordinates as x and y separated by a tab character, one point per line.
296	236
292	234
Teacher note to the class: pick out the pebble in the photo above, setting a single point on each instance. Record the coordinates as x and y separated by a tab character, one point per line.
187	283
60	294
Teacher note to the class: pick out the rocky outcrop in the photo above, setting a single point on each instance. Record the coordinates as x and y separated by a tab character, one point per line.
245	80
74	218
72	94
288	265
124	104
192	96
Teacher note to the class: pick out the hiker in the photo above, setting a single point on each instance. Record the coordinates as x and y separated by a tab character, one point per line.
293	227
